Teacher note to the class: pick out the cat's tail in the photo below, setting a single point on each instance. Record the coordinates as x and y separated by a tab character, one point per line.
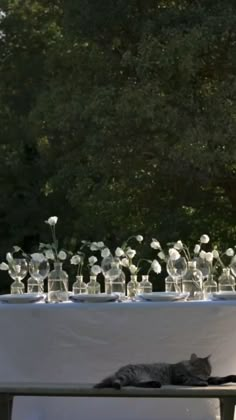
106	383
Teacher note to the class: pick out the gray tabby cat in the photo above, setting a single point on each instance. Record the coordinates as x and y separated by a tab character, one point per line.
193	372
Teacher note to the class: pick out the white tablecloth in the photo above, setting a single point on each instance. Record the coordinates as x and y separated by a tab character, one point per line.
78	342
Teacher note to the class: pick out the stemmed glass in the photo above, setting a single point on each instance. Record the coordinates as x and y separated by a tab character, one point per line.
18	269
177	269
39	270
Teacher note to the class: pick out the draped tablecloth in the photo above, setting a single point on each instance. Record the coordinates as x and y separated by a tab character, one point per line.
78	342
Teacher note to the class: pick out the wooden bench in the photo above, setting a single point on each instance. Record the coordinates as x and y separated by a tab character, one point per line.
226	394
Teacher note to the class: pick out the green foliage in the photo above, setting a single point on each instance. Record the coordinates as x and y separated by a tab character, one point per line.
120	118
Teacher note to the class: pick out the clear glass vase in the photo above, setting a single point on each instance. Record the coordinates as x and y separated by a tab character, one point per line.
57	284
93	287
226	282
173	284
209	286
145	286
115	279
133	287
192	282
35	286
17	287
79	286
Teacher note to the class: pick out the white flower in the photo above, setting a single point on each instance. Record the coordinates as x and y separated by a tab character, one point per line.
156	266
229	252
62	255
75	259
119	252
105	252
161	255
215	253
204	239
131	253
49	254
37	257
52	221
96	269
100	244
197	249
139	238
209	256
178	245
155	244
174	254
92	260
125	262
133	269
202	255
94	246
16	248
9	257
4	266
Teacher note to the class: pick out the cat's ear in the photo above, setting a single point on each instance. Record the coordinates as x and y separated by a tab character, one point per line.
193	357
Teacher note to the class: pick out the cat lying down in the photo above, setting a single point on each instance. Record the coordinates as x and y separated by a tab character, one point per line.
193	372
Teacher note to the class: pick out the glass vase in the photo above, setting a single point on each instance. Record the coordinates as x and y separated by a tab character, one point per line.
35	286
115	279
226	282
17	287
173	284
93	287
57	284
79	286
145	286
133	287
209	286
192	282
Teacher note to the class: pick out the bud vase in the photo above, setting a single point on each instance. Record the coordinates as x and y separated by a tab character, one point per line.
57	284
226	281
17	287
79	286
133	287
192	282
145	286
93	287
35	286
209	286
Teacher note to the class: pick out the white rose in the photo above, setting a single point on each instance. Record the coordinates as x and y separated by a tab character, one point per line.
52	221
125	262
49	254
174	254
37	257
229	252
202	255
9	257
178	245
119	252
62	255
133	269
4	266
94	246
131	253
204	239
96	269
155	244
197	249
156	266
139	238
100	244
161	255
105	252
209	256
215	253
92	260
75	259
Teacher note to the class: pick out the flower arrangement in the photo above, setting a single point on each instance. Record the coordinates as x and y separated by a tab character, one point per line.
51	250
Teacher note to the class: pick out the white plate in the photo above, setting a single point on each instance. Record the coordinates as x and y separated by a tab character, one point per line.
99	297
24	298
223	296
164	296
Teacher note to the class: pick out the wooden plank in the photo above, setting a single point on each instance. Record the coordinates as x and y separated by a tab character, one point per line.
87	390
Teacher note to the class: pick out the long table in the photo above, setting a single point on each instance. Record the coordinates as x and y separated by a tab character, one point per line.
78	342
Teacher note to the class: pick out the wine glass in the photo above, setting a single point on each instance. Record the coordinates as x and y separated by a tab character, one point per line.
18	269
39	270
177	269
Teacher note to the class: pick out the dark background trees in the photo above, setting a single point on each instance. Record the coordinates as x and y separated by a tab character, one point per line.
118	117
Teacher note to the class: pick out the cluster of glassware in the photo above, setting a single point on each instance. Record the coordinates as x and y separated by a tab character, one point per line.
196	279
